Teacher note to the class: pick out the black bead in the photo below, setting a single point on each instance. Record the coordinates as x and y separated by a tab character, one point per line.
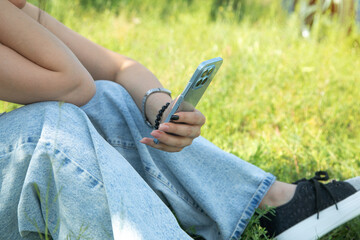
159	115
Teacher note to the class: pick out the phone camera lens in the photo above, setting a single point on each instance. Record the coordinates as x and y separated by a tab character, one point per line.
204	73
204	80
211	70
198	83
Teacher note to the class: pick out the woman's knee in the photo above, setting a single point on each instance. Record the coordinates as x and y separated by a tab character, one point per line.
54	113
108	90
32	119
110	103
108	86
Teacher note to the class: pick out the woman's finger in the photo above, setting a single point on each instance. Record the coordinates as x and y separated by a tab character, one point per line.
171	140
160	146
192	118
184	130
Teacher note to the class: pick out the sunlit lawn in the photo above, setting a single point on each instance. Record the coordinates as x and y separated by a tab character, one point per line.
286	104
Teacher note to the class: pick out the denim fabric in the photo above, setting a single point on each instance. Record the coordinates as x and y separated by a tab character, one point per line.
81	173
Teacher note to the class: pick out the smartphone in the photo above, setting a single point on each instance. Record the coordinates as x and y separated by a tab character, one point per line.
195	88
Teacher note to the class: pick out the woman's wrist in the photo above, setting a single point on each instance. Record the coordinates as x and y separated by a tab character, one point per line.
154	103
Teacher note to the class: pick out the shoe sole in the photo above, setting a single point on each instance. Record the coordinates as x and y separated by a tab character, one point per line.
330	218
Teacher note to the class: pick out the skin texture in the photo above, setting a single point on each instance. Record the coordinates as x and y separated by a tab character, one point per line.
18	3
66	69
31	72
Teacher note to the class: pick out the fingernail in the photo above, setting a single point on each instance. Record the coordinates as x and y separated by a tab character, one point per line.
163	127
155	134
174	117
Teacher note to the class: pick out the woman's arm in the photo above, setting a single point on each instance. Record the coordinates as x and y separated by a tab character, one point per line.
108	65
18	3
104	64
35	66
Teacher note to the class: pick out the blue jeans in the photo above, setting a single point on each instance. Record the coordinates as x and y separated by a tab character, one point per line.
83	172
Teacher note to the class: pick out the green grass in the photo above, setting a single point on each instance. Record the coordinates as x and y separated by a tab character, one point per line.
284	103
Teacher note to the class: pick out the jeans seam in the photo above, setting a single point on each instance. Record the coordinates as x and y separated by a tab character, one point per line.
191	203
64	156
121	143
11	148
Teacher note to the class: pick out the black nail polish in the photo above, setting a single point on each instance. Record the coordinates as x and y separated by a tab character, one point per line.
174	117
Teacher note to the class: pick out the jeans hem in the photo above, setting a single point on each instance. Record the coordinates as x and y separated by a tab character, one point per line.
253	204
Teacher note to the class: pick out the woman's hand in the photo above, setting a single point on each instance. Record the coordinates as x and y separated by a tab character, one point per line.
177	134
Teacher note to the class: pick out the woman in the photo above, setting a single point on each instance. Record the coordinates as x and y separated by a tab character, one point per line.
88	168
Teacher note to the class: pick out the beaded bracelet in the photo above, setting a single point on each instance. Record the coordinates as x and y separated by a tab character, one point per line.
159	115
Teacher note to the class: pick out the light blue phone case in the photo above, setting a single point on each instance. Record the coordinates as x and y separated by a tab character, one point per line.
195	88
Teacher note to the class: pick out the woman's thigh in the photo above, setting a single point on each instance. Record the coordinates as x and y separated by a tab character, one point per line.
59	174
